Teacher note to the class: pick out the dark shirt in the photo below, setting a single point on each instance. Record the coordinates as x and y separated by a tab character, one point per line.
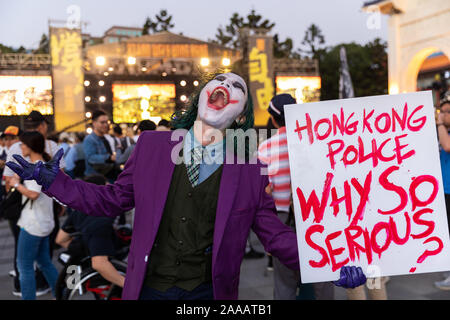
107	145
97	232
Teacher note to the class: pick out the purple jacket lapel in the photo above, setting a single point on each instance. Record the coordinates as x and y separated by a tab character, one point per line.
164	170
227	192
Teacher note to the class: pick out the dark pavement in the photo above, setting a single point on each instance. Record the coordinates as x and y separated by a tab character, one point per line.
256	282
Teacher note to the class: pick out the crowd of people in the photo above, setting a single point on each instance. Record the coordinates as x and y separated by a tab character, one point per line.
100	157
34	218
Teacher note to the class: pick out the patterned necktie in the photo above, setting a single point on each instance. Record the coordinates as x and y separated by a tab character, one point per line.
193	169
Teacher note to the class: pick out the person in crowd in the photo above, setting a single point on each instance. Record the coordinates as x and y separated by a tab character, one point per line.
122	142
2	151
2	163
36	222
110	137
443	131
64	142
35	121
274	153
144	125
117	135
12	144
163	125
99	155
130	134
97	235
75	158
192	216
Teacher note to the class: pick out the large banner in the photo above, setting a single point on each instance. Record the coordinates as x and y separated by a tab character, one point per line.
67	74
261	75
367	186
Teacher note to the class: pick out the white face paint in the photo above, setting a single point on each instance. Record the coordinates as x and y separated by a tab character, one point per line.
222	100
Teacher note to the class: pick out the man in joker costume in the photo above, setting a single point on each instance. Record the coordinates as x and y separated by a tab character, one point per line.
192	217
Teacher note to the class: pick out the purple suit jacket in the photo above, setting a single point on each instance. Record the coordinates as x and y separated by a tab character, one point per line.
144	184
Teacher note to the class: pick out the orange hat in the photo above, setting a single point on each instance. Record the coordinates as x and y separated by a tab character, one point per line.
12	131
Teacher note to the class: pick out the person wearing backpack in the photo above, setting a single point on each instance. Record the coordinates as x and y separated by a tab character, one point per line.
36	222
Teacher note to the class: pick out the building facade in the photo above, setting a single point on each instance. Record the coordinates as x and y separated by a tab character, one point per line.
416	30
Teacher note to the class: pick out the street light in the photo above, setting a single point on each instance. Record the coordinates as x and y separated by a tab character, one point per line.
226	62
204	62
131	60
100	61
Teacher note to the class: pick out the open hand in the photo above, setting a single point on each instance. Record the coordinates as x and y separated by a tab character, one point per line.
43	173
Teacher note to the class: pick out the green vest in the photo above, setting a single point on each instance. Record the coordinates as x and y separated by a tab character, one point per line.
182	253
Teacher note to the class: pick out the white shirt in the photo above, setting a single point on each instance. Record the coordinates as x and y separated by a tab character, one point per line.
14	149
51	147
37	215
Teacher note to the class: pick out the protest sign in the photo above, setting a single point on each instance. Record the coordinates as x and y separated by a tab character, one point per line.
367	186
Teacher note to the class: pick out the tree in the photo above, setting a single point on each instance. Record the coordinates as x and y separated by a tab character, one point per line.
161	22
313	40
6	49
43	45
164	21
149	26
229	35
367	66
283	49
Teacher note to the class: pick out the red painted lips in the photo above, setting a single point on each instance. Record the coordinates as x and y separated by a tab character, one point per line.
219	98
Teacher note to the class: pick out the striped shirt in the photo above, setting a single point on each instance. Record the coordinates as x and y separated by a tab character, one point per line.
274	153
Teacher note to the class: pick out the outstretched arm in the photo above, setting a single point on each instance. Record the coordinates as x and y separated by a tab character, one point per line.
110	200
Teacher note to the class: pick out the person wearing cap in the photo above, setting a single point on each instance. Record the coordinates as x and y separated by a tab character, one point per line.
443	128
274	153
35	121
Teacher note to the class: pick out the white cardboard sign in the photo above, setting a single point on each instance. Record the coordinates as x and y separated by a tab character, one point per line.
367	186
